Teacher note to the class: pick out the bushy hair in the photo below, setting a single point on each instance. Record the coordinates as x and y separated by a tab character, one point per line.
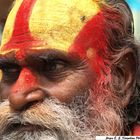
119	28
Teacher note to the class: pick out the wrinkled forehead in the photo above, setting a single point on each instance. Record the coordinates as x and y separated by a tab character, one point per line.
37	24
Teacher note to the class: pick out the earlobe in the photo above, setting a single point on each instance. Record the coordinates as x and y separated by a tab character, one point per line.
124	75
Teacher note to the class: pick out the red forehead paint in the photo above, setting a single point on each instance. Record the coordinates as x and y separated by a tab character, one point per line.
20	55
21	37
92	36
25	82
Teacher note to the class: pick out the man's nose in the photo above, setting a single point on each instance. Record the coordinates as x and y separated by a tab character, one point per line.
25	92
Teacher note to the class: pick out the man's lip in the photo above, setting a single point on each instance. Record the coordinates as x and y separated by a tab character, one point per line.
24	127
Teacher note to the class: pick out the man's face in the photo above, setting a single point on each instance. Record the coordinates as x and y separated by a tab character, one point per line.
51	95
50	73
56	83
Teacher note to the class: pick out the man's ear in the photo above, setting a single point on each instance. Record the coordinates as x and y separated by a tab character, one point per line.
124	75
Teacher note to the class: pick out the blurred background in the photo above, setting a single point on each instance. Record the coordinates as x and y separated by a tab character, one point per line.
135	6
4	10
5	6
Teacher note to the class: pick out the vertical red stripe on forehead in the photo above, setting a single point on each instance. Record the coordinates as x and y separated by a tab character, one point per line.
21	37
22	18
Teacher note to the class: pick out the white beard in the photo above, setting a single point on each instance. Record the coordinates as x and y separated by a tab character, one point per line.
29	136
59	122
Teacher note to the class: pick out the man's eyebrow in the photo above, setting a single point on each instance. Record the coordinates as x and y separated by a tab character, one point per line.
48	55
7	64
7	60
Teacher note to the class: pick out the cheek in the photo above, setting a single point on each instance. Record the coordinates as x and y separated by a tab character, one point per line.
72	86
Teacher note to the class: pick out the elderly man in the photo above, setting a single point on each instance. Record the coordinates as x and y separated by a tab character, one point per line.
69	71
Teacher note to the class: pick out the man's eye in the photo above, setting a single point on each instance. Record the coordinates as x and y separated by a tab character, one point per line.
10	74
10	70
55	66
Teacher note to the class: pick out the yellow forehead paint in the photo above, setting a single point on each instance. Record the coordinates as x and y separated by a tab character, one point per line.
40	24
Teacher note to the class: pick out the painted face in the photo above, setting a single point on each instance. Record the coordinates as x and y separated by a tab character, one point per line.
34	26
67	27
46	50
